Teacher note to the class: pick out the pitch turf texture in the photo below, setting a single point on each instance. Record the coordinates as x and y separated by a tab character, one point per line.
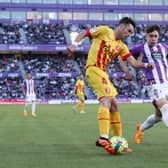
58	138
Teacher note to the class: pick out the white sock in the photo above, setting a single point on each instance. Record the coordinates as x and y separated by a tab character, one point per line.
149	122
26	106
33	107
104	136
164	111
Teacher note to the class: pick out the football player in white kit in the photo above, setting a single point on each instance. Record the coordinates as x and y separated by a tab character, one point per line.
156	79
29	92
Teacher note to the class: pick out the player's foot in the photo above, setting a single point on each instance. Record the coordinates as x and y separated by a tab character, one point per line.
34	115
82	112
74	109
102	142
139	135
25	113
128	150
110	150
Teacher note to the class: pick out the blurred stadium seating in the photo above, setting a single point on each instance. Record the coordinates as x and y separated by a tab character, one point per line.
36	43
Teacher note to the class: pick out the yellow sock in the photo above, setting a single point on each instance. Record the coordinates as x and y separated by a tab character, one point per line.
77	105
82	106
104	121
115	123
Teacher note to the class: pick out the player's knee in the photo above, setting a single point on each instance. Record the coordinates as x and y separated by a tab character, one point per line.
160	103
105	102
113	106
158	113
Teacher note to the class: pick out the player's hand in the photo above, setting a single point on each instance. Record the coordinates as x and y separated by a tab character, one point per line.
150	65
70	50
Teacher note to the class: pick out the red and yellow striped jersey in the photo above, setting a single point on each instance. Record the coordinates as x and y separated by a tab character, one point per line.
105	47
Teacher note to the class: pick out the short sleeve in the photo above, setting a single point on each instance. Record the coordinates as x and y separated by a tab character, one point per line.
125	53
97	31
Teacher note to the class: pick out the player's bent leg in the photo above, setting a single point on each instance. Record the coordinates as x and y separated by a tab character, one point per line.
150	122
82	111
115	123
74	109
26	108
103	119
164	111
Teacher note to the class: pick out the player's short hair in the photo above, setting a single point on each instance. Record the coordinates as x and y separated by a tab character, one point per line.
152	28
127	20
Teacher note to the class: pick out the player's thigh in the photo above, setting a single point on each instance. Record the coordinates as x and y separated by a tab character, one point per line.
99	81
165	87
33	98
30	98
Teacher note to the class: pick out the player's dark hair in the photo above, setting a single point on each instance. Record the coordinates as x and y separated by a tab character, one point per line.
152	28
127	20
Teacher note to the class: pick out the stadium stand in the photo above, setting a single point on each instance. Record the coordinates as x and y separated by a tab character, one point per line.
39	33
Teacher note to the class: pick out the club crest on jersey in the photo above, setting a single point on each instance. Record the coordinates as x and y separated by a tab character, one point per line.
118	48
107	90
107	50
156	54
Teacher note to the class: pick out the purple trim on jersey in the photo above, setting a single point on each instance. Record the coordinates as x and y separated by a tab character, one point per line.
157	66
157	58
24	86
29	86
165	68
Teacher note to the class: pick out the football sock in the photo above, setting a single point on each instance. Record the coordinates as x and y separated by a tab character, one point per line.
77	105
149	122
115	123
104	137
164	111
103	120
33	107
26	106
82	106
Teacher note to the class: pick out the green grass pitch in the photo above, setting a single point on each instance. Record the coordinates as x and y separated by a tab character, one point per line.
59	138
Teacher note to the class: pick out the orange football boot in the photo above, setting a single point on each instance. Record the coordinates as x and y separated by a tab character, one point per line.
102	142
34	115
25	113
139	135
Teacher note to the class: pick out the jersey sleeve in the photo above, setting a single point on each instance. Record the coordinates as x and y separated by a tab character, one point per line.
125	53
24	86
97	31
166	47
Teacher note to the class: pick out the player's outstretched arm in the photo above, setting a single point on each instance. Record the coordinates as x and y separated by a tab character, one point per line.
72	47
128	75
137	64
23	91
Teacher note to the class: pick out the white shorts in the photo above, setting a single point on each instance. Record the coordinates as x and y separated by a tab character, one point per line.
158	91
30	98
